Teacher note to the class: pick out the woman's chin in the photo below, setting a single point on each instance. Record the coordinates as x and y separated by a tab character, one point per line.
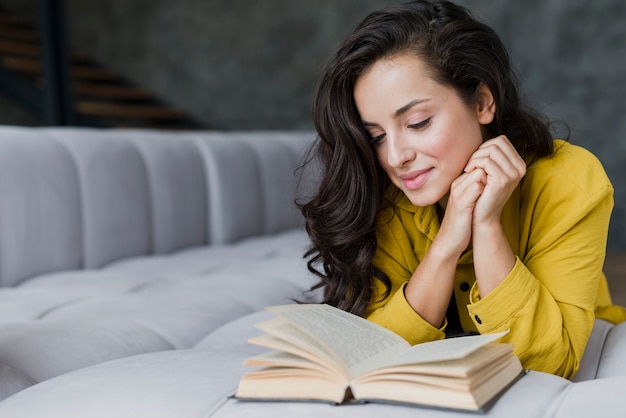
421	199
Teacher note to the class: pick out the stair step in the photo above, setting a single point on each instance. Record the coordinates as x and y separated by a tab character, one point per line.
24	65
128	111
11	19
19	48
94	73
18	34
33	67
110	91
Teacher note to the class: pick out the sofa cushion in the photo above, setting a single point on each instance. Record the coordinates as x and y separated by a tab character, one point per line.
75	198
177	190
613	359
13	381
113	188
44	349
198	383
60	322
39	207
179	383
593	351
593	398
251	181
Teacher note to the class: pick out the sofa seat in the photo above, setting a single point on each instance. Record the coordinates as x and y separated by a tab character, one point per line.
65	321
198	383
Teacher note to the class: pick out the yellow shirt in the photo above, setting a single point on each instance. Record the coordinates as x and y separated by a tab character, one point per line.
556	222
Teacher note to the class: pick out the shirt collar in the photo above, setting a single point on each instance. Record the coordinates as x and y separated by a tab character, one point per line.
427	222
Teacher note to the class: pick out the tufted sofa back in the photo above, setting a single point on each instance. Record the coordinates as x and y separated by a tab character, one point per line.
77	198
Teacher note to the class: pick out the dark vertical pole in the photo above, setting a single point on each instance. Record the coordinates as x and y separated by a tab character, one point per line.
57	90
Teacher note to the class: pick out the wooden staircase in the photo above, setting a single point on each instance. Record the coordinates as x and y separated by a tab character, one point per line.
97	96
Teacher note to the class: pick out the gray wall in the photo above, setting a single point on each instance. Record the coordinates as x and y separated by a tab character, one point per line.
242	64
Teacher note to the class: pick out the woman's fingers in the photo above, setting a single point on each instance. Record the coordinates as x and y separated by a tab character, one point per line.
504	169
467	188
498	153
456	225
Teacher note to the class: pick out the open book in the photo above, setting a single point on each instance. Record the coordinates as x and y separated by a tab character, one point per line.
321	353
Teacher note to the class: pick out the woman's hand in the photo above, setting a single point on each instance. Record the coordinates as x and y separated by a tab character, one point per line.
456	225
503	168
431	285
472	214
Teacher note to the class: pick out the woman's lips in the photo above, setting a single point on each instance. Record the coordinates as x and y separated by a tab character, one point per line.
415	179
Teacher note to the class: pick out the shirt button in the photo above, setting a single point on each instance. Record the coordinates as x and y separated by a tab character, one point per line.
464	286
477	318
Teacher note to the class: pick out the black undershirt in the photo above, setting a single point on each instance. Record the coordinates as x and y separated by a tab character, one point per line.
454	322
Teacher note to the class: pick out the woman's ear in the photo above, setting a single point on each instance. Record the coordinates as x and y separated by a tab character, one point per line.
485	105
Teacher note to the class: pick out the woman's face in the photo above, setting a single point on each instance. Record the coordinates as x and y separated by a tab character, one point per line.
424	134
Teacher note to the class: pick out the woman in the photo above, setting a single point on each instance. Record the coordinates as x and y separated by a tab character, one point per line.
445	205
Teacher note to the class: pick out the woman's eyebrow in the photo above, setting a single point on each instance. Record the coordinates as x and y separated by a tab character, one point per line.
408	106
400	111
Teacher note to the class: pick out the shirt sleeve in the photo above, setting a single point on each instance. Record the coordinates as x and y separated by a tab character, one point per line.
398	316
547	301
395	258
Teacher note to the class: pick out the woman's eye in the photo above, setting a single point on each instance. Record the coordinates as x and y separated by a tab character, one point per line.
375	140
420	124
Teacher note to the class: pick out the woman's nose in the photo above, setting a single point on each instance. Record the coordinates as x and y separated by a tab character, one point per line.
399	150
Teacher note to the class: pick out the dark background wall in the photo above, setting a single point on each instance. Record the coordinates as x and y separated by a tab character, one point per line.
244	65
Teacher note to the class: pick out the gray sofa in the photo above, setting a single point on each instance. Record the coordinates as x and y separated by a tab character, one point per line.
134	264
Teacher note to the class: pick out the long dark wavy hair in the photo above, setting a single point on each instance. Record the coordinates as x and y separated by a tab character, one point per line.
460	52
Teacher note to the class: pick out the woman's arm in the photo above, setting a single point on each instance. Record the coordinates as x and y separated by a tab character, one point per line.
416	309
547	301
548	298
430	287
503	169
472	211
430	283
397	256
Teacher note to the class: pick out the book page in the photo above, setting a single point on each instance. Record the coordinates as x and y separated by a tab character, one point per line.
467	367
358	344
280	359
284	336
448	349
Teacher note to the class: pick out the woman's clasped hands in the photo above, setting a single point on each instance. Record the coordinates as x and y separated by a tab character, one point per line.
477	197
